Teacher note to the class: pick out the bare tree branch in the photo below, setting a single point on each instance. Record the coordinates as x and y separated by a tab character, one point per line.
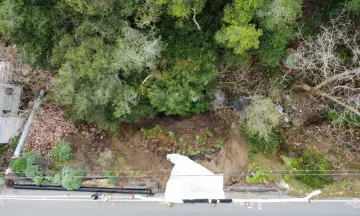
194	18
329	64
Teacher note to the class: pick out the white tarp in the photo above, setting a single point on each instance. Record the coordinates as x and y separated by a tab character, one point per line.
189	180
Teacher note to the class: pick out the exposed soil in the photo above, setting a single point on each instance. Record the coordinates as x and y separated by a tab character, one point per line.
140	154
138	160
340	145
232	161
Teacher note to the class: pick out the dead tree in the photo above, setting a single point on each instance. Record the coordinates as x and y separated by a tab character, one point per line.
329	64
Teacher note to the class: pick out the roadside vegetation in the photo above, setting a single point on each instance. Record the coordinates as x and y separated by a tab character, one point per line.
154	77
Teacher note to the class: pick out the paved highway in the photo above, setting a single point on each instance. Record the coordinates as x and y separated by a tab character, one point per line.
102	208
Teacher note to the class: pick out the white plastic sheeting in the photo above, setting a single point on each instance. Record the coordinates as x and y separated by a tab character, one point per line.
189	180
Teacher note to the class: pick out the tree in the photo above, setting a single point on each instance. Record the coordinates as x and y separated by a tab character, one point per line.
329	64
238	33
258	24
354	6
102	7
136	51
26	23
277	18
182	8
188	69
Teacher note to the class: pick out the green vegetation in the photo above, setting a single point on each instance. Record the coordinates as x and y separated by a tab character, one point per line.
71	179
19	165
122	61
259	175
346	119
311	169
111	177
2	181
62	152
257	143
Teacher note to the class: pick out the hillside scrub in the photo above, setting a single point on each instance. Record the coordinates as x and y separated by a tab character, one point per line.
119	62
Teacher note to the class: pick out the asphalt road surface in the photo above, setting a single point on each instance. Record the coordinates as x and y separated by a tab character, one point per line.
102	208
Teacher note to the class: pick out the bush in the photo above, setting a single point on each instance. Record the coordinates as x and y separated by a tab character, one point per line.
72	179
259	175
2	181
111	178
13	142
62	152
346	118
3	147
39	180
19	165
31	158
267	146
262	117
57	179
33	171
311	169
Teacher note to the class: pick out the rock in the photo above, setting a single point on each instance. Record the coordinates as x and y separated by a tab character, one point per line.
348	187
25	71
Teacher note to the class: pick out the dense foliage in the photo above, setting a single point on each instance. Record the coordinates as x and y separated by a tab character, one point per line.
71	179
311	168
124	60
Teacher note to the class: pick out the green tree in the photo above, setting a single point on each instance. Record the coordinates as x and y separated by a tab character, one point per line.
33	26
258	24
102	7
277	18
238	33
136	51
182	8
354	6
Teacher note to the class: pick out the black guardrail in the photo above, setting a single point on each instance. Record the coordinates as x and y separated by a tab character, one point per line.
86	189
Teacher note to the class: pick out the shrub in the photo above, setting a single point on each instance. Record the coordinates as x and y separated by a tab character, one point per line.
57	179
259	176
261	117
18	166
2	181
311	169
287	178
39	180
267	146
111	178
62	152
346	118
72	179
31	158
3	147
13	142
33	171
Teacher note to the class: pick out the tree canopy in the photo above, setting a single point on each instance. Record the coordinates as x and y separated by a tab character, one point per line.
122	60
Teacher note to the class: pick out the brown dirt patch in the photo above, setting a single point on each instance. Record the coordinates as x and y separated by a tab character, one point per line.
192	135
48	127
340	145
232	161
148	155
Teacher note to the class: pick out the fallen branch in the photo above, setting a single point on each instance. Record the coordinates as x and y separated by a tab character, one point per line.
194	18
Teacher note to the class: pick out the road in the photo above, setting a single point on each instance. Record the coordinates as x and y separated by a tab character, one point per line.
102	208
